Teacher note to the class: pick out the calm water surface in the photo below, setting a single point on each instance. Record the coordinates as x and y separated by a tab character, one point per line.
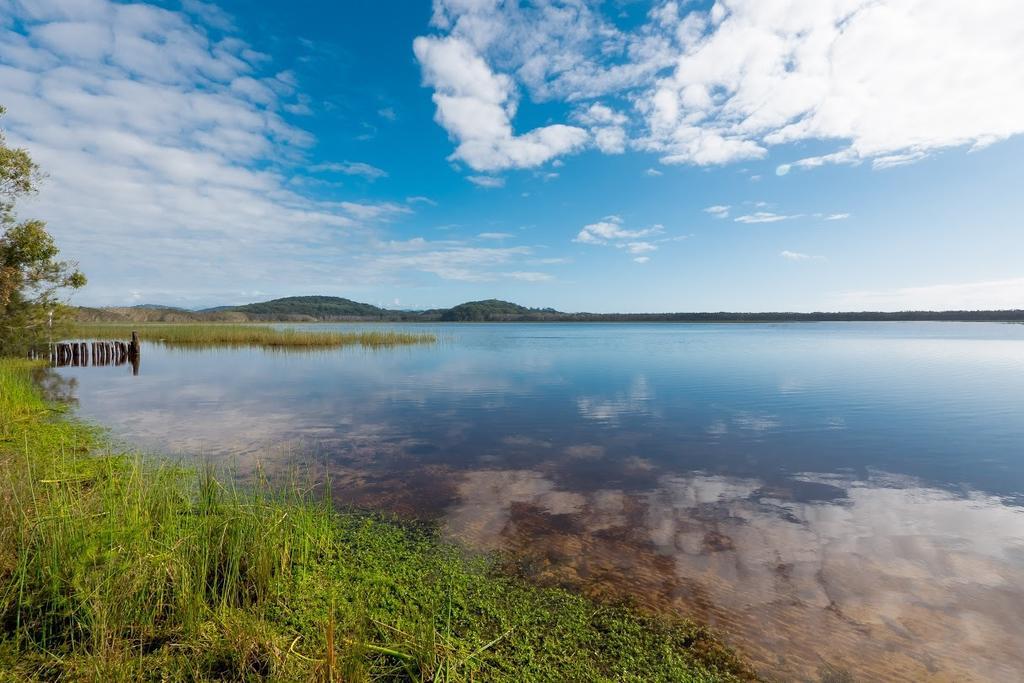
844	497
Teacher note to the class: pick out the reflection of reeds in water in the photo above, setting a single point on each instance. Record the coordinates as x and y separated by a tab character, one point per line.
213	335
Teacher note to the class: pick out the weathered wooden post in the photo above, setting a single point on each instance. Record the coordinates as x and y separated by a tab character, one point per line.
136	352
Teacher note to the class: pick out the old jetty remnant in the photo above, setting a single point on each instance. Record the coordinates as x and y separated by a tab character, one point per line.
83	354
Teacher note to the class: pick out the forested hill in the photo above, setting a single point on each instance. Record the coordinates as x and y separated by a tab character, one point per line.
316	307
492	310
327	308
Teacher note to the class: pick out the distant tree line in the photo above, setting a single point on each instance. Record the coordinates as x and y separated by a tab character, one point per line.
494	310
769	317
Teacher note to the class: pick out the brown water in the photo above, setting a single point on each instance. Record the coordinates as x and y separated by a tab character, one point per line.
837	499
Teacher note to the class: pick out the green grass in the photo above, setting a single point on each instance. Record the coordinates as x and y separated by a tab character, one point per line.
114	568
215	334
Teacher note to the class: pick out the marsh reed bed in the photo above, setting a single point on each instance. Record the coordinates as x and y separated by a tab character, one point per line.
217	334
116	568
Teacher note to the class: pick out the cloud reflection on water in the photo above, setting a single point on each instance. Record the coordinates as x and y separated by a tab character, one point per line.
888	578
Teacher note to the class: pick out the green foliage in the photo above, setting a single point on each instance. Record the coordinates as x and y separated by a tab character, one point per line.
213	334
310	307
154	314
479	311
31	276
113	569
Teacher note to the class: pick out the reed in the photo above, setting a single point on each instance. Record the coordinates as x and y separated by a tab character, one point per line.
213	334
114	568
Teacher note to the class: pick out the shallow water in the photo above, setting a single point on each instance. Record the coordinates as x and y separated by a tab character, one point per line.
832	497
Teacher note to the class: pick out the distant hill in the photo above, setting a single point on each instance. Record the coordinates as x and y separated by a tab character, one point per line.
311	307
161	307
327	308
479	311
153	314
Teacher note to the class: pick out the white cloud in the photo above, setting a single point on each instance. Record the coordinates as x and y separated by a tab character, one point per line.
598	114
419	199
610	139
610	229
528	276
796	256
610	232
653	172
351	168
476	105
174	145
718	210
894	79
210	14
837	216
375	211
993	294
495	235
451	261
885	81
490	182
160	133
640	247
606	125
557	50
763	217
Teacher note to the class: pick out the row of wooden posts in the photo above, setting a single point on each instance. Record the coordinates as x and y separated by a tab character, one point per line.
84	354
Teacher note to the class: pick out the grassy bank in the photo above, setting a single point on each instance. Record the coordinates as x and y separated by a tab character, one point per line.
114	569
215	334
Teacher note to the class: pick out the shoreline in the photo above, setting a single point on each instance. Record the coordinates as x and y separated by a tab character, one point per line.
114	566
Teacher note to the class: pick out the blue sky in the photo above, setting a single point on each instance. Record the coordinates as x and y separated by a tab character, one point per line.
601	156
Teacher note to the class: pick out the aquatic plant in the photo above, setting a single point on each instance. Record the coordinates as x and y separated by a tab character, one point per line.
213	334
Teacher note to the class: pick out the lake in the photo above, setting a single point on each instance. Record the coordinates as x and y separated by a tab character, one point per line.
833	498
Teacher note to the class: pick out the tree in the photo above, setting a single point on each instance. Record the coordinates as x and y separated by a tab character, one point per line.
31	277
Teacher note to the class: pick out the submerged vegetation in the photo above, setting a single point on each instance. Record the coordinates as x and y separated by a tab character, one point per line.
113	568
212	334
